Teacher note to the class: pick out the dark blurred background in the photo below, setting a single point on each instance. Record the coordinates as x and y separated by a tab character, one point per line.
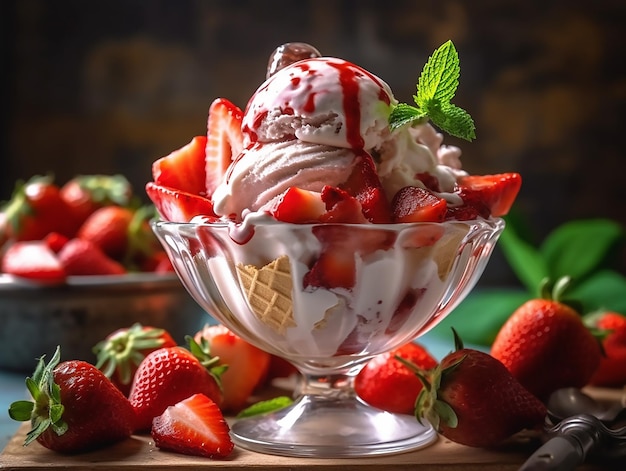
109	86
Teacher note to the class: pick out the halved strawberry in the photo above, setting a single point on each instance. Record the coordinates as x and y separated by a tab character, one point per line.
34	260
193	426
247	364
224	140
415	204
298	206
80	257
365	186
183	169
496	192
177	205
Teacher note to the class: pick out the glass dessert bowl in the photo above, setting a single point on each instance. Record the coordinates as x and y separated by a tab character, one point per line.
328	297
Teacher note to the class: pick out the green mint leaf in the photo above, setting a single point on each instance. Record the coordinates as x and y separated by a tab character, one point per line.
454	120
436	87
264	407
404	114
440	76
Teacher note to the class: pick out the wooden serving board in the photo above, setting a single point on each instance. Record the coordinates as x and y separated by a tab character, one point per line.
139	453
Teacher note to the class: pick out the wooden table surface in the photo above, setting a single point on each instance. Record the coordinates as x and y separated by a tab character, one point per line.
139	453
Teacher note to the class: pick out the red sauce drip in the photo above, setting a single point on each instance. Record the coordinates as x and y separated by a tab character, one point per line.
351	102
309	106
295	81
382	94
303	66
240	234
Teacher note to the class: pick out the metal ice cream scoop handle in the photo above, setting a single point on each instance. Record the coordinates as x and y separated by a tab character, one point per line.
573	439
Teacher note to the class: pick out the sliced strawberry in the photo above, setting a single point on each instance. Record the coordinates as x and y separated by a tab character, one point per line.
183	169
496	192
424	235
298	206
341	207
415	204
34	260
365	186
340	247
333	269
193	426
176	205
224	140
247	364
468	211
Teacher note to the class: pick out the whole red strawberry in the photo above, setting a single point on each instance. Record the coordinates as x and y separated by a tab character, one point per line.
76	408
36	209
83	194
472	399
612	369
121	352
388	384
107	227
170	375
546	346
247	364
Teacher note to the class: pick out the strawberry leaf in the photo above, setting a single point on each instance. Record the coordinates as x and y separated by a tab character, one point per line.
445	413
21	410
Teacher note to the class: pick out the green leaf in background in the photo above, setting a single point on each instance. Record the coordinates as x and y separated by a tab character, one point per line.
605	290
479	317
577	248
525	260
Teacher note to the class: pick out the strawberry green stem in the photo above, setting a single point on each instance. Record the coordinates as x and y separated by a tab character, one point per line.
46	409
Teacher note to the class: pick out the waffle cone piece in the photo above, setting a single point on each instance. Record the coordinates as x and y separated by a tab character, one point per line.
447	250
268	290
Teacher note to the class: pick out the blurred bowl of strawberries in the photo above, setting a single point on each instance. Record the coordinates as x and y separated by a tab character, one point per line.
77	261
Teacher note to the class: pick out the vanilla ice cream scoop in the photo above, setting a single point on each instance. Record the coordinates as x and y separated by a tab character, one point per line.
321	100
306	123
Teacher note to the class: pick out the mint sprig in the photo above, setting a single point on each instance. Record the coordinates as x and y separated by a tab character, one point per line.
435	89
